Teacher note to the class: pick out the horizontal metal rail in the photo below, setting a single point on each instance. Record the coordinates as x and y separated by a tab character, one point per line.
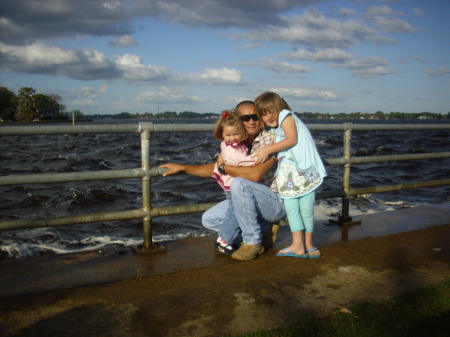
43	178
146	172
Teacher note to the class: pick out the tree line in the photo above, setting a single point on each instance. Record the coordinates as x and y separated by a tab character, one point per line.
29	106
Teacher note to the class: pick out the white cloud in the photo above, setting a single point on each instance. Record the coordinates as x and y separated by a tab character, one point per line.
315	30
344	12
367	67
277	67
123	41
418	12
309	94
86	95
133	69
22	21
385	18
319	55
248	46
223	76
438	72
167	96
37	58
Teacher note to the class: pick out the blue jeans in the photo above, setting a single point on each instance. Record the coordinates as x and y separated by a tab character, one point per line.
255	205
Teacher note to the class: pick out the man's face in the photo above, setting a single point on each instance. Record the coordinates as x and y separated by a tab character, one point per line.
252	125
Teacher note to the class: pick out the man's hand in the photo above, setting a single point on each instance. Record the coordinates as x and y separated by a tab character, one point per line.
203	171
173	168
261	155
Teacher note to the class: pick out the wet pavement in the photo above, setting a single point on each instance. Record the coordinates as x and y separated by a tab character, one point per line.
191	291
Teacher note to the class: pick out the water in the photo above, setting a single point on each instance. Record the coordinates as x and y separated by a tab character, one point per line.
73	153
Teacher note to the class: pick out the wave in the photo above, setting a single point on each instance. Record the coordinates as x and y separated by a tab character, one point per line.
73	153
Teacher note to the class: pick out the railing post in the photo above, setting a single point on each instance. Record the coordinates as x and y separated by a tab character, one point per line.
148	245
345	219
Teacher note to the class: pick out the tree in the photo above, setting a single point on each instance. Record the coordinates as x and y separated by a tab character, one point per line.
76	114
8	104
379	115
48	107
26	109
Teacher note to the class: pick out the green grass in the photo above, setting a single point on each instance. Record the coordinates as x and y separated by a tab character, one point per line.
424	313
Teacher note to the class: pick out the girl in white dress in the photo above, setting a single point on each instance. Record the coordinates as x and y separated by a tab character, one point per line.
300	171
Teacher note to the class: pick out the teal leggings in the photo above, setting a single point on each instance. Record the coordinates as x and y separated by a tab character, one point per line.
300	212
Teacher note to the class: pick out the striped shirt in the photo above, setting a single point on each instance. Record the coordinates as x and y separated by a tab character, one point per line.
266	138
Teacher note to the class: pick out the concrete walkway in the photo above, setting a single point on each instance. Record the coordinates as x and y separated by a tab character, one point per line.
191	291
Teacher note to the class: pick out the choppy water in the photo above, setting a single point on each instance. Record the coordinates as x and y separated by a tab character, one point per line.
72	153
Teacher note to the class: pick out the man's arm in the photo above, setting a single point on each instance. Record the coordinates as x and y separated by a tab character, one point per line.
253	173
203	171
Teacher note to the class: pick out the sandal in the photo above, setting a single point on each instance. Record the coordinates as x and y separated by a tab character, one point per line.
313	256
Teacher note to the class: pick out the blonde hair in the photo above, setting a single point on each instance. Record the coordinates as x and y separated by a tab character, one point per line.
270	103
229	118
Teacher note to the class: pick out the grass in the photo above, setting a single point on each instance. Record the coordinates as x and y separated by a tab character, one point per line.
424	313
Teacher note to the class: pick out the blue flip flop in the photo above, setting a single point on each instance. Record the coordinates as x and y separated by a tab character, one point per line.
313	256
292	254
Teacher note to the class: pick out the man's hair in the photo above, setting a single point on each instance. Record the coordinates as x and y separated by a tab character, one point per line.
243	103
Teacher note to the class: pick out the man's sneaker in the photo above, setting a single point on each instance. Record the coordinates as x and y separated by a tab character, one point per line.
248	252
227	250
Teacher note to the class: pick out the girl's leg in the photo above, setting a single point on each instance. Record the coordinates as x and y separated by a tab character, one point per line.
306	204
297	227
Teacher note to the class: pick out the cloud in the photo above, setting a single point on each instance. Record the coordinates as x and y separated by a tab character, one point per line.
315	30
309	94
164	95
438	72
345	12
367	67
28	21
222	76
385	18
277	67
228	13
37	58
418	12
123	41
319	55
133	69
248	46
89	64
86	96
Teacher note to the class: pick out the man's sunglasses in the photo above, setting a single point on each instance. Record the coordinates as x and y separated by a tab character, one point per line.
246	118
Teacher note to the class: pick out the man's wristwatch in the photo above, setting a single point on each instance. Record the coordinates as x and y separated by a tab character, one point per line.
221	169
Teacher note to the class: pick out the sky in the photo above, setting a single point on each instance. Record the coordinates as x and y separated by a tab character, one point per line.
137	56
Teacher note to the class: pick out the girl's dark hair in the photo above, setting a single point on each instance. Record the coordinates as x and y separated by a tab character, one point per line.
229	118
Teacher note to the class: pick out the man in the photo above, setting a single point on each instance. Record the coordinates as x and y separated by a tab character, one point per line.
255	200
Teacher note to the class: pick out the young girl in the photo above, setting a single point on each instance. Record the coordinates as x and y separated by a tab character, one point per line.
300	171
231	132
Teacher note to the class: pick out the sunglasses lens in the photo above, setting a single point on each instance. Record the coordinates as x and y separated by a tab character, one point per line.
247	118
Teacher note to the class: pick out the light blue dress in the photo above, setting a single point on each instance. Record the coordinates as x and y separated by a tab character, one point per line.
300	169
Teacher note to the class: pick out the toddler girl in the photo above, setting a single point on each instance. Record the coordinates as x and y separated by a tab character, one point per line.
231	132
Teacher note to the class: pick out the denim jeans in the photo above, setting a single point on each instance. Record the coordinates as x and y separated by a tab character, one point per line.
255	205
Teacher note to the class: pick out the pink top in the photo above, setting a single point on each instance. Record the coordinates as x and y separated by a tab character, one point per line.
235	154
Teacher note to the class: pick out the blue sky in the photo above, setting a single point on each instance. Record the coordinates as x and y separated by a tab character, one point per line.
139	56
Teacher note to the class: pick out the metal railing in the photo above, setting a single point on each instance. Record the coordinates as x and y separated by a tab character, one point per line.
146	172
